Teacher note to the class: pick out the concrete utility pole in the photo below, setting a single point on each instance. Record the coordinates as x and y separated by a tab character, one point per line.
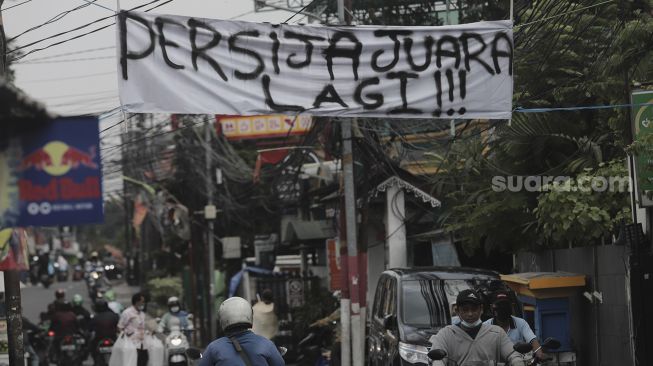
14	318
345	301
209	214
357	350
353	326
11	278
3	45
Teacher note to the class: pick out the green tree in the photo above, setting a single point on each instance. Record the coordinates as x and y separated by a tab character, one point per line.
589	56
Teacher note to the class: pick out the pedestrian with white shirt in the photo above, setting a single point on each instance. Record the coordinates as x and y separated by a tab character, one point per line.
132	325
517	329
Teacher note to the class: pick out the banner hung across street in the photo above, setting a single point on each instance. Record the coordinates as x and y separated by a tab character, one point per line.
175	64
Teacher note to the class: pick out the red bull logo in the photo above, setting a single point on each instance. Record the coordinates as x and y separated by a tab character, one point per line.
57	159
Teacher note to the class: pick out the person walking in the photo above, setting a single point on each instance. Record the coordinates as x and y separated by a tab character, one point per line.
266	323
132	324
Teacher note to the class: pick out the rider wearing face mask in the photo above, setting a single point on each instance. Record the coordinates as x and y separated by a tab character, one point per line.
517	329
471	341
174	311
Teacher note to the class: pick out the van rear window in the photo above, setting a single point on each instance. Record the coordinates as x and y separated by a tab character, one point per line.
428	303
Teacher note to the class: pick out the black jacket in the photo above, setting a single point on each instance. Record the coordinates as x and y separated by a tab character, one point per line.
105	325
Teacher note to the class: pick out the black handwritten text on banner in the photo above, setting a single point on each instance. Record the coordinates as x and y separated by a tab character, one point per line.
178	64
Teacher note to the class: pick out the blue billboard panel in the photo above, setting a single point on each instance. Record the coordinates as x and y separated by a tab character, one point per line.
60	174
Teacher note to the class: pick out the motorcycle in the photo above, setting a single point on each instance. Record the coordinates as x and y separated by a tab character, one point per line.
40	342
47	279
70	350
103	352
314	349
521	347
34	270
78	272
195	354
97	284
176	345
61	272
524	348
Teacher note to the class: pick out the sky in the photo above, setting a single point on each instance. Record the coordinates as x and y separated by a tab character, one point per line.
80	76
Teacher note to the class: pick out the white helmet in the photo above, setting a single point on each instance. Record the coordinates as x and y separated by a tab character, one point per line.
235	311
173	300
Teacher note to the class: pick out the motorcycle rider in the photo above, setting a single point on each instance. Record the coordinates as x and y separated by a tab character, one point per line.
64	323
240	345
103	325
174	311
59	298
92	262
114	305
62	262
517	329
83	315
44	262
30	328
471	341
64	320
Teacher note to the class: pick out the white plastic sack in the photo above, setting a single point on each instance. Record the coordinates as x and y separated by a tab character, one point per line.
155	349
123	353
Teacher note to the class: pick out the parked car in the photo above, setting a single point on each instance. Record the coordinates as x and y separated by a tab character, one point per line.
411	305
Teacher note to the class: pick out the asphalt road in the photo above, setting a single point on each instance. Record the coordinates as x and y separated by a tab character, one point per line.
35	299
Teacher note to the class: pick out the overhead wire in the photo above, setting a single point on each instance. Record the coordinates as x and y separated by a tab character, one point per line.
69	77
88	50
16	5
76	29
563	14
66	60
50	21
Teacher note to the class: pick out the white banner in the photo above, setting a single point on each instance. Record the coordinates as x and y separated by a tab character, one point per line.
177	64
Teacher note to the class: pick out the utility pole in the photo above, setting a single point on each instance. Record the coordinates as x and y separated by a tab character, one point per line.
345	298
209	215
357	347
353	352
11	278
3	45
14	318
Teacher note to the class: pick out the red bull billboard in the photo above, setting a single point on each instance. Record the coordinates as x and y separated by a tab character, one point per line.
60	175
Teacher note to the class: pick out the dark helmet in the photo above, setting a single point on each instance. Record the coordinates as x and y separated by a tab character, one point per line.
101	305
60	294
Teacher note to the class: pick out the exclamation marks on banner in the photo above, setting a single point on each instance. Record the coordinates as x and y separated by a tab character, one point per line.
462	86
